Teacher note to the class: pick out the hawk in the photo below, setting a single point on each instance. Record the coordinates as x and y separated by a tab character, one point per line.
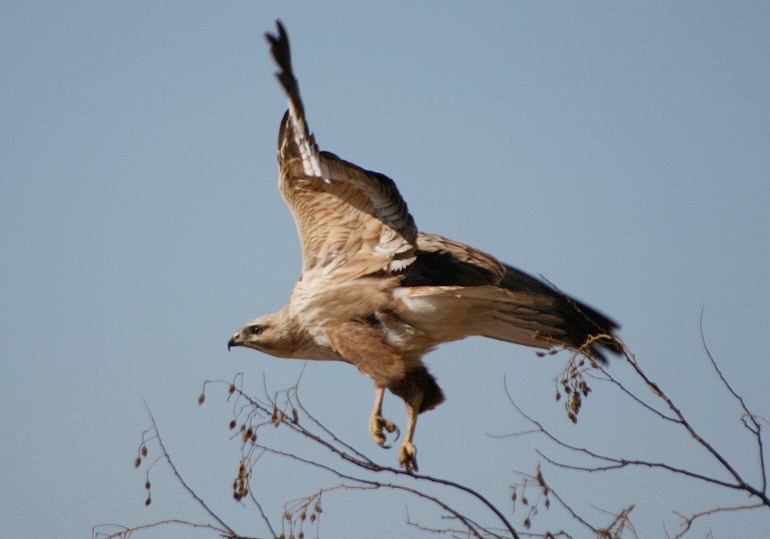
378	294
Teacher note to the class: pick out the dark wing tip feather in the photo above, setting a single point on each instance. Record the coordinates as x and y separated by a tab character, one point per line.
585	328
588	330
279	47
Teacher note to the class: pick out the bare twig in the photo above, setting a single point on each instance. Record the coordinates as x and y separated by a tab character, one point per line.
124	532
749	419
358	459
688	521
179	478
740	483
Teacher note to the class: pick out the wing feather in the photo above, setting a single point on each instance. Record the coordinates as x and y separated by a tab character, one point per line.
444	262
455	290
349	219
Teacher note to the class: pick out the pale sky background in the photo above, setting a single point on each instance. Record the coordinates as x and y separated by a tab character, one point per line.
620	150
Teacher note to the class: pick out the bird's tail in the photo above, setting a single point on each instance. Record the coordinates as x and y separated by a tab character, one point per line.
520	310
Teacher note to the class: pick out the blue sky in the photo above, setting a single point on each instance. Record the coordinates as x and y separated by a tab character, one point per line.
620	150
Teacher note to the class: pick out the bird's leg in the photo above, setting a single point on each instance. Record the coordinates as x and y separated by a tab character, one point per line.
377	422
407	455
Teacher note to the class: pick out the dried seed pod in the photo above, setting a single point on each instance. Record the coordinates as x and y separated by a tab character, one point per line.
575	403
148	501
232	389
137	462
144	451
232	424
201	398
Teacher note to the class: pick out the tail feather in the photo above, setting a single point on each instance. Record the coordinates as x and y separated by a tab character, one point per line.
581	325
531	314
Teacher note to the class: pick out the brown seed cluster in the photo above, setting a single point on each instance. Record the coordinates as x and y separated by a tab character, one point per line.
138	462
296	516
142	453
241	483
542	499
277	416
148	501
573	385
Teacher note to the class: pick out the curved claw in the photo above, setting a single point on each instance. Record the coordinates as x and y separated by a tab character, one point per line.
398	433
376	425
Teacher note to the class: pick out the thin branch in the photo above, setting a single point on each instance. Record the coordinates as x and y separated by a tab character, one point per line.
688	521
182	481
262	513
757	430
125	531
741	483
327	431
472	526
370	465
615	463
633	397
623	463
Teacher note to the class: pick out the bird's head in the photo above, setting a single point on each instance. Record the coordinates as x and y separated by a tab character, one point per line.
269	334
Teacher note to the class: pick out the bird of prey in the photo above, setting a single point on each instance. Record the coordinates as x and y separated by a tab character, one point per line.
378	294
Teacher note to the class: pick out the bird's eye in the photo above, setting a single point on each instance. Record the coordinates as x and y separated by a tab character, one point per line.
256	330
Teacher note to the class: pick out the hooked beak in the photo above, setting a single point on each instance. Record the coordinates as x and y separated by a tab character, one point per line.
232	342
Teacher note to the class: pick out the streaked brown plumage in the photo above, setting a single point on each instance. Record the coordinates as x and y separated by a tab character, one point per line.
378	294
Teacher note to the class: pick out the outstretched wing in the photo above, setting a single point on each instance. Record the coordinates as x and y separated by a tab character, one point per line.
351	222
454	291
